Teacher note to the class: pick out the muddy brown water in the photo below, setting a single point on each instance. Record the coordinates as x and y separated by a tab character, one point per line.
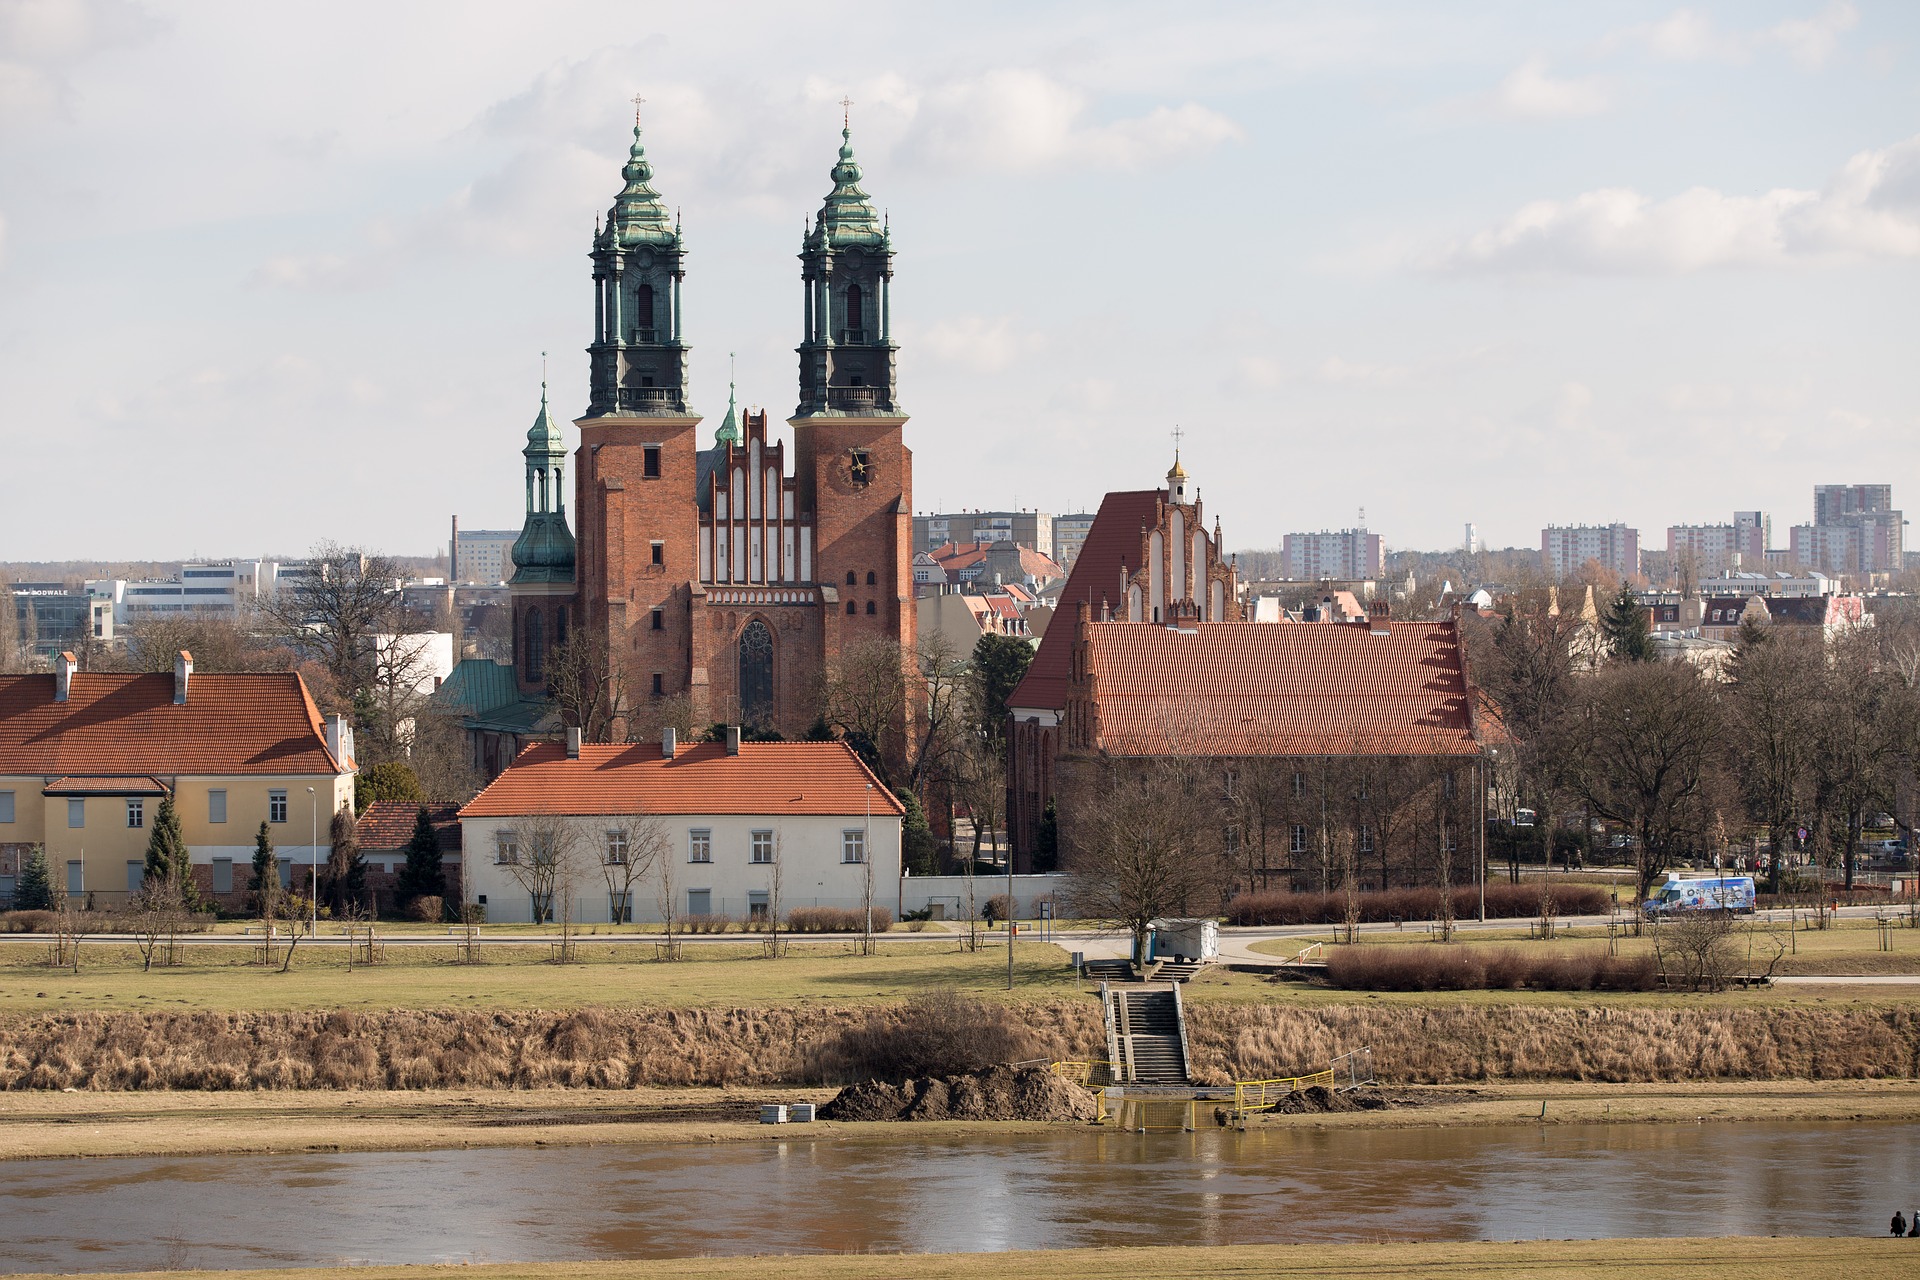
1031	1191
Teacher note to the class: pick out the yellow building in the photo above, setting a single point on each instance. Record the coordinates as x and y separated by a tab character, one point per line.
87	757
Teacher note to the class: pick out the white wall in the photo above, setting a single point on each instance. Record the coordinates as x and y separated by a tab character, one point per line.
949	893
808	848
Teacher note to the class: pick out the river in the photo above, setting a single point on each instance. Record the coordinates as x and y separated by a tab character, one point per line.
1028	1191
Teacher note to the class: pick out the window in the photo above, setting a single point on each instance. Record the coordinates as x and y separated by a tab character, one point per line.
659	684
756	675
856	318
1233	782
77	877
853	845
871	579
620	908
223	875
535	656
1447	785
643	310
216	806
650	462
757	904
136	877
616	848
276	806
659	553
1366	838
700	845
1299	784
699	902
659	619
763	846
869	608
6	806
136	813
1230	841
1297	839
506	852
851	607
851	579
1447	841
76	813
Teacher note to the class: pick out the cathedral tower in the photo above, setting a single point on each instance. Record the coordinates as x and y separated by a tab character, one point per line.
542	586
852	469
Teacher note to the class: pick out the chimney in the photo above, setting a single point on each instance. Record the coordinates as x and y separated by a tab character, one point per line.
182	672
573	742
340	739
733	739
1326	608
1378	614
63	668
669	743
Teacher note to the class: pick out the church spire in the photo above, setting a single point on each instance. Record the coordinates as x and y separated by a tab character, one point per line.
729	432
639	354
544	551
847	353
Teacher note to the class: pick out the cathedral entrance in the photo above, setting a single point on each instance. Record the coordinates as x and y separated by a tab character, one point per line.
756	676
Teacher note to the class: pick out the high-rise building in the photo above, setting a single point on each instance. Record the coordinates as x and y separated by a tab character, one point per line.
1564	548
1069	535
482	557
1350	553
1472	543
728	576
1855	529
1031	529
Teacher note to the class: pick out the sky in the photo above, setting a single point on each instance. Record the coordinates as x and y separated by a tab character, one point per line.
275	274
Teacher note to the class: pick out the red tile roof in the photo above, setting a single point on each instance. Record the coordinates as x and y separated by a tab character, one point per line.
773	778
76	786
1266	689
1111	551
127	724
388	824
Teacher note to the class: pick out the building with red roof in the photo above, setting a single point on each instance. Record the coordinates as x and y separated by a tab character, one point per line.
87	757
739	829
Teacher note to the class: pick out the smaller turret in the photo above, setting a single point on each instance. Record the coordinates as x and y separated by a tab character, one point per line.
1177	490
544	551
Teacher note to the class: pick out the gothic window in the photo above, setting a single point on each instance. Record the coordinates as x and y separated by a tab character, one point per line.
560	625
856	313
869	608
533	657
851	579
871	580
756	675
850	608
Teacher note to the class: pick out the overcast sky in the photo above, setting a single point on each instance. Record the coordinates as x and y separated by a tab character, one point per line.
273	273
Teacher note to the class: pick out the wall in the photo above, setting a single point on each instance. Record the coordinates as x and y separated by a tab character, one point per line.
949	893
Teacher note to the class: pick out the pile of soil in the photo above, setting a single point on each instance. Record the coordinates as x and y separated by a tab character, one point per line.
998	1093
1317	1099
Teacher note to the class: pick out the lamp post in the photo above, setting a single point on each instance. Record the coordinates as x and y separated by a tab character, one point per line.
313	843
1012	928
866	872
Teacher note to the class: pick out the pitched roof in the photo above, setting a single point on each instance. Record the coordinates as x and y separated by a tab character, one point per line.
1260	689
388	824
1111	551
772	778
113	724
79	786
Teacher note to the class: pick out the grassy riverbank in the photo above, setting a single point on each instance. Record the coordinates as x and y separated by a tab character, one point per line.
1714	1259
34	1125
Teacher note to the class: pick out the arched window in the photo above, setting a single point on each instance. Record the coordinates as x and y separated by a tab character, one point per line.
643	307
533	648
869	608
756	675
856	314
851	579
871	580
560	626
850	608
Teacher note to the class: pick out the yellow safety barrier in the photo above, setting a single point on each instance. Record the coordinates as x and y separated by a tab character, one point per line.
1082	1073
1263	1095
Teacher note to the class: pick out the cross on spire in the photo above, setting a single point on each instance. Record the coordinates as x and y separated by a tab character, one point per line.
1178	436
637	101
846	113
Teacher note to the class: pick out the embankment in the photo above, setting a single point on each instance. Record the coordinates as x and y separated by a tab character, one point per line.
626	1047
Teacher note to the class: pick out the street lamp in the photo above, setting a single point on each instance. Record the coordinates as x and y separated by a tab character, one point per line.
866	872
313	846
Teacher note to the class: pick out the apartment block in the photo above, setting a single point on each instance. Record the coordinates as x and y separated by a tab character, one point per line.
1348	553
1564	548
1033	529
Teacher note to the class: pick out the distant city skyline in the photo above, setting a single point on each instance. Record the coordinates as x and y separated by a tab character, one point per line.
264	282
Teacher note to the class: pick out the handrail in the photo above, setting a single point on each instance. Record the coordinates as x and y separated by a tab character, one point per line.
1264	1095
1301	956
1081	1073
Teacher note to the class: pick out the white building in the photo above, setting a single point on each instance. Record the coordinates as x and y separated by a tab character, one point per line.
1350	553
1564	548
743	828
483	557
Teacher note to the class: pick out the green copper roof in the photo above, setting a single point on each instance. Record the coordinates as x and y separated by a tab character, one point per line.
544	437
846	217
639	216
729	432
544	551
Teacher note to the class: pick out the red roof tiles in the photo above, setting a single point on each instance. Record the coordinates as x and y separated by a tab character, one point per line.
116	724
1268	689
1111	551
388	824
810	778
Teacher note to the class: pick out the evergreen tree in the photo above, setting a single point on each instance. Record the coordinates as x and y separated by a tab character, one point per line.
34	890
168	861
999	664
1046	850
1625	625
918	849
346	870
266	868
388	780
423	875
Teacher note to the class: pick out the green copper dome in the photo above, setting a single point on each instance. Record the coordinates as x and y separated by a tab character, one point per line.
544	551
729	432
846	218
639	215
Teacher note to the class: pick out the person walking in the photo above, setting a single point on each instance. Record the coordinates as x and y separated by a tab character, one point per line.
1899	1227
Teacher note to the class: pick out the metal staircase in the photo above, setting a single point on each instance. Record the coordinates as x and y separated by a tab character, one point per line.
1146	1034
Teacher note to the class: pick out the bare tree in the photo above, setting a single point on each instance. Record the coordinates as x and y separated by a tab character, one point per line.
10	658
1772	715
635	843
335	612
544	857
588	684
1142	841
157	912
1643	734
1850	764
669	906
864	695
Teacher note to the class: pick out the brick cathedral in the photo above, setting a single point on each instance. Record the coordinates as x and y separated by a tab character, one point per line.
727	576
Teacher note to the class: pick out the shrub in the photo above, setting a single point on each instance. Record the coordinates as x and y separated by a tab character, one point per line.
28	922
999	907
1418	967
1504	901
938	1033
837	919
707	924
427	908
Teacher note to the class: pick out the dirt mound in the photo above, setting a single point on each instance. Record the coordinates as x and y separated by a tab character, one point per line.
998	1093
1316	1099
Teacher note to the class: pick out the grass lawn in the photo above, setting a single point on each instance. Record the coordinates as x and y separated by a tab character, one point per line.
1721	1259
223	977
1845	947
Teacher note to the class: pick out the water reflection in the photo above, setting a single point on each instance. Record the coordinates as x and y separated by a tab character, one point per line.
1076	1187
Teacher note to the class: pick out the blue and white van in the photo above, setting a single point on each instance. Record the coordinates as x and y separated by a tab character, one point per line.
1716	893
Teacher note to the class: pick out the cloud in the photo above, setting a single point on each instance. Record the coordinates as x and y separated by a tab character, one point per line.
1531	92
1335	370
1871	209
985	344
40	40
1688	36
